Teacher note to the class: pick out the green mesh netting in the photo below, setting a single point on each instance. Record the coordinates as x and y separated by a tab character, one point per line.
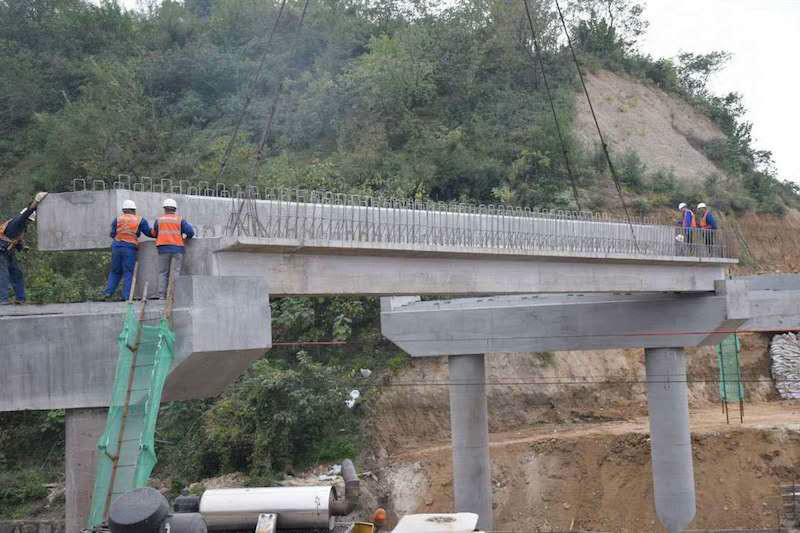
730	372
126	451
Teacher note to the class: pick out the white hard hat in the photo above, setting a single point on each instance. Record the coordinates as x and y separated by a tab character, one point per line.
681	205
169	202
32	217
128	204
701	205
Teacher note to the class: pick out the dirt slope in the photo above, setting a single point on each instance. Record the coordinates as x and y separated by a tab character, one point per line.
596	476
666	132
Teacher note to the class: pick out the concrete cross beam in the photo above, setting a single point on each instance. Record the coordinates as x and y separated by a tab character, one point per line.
64	356
538	323
541	322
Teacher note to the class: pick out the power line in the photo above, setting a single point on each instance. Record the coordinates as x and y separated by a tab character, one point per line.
251	93
564	151
614	175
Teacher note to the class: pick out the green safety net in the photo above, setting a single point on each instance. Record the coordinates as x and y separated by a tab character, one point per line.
730	372
126	449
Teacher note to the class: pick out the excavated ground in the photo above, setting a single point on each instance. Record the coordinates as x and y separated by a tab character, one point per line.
578	455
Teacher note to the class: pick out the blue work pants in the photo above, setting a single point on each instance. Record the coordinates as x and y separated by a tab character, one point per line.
11	276
123	261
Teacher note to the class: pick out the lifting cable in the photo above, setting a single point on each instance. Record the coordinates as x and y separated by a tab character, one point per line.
265	133
614	175
251	93
564	150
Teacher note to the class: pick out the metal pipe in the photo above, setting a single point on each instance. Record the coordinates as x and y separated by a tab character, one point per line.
352	490
296	507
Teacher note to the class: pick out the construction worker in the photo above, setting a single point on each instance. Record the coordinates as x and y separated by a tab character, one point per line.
125	230
687	222
11	234
170	232
708	224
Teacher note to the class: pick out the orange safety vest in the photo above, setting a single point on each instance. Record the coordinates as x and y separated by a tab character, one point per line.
169	231
694	218
127	226
12	242
703	223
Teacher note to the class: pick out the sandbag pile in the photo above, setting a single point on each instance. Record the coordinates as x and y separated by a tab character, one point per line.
784	353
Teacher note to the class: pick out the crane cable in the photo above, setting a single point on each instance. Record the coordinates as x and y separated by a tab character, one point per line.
251	93
611	168
265	132
564	150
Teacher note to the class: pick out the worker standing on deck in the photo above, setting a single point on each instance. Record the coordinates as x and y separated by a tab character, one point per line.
125	230
687	222
708	224
170	232
11	234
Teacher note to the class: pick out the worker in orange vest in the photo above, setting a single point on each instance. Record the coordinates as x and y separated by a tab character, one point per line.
125	230
171	232
11	234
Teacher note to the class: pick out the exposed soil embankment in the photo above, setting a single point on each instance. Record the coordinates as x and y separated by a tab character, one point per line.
597	476
550	388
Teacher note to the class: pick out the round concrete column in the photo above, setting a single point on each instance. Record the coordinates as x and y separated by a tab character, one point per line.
670	440
469	424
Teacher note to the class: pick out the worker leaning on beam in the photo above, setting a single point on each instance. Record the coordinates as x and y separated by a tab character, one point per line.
125	230
170	232
688	222
11	234
707	223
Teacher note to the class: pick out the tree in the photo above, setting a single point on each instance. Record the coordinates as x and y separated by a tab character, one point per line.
608	26
694	70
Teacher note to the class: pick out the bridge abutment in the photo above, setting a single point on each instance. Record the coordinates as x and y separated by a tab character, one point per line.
670	439
469	426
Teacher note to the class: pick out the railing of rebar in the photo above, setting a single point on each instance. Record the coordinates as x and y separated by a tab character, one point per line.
318	215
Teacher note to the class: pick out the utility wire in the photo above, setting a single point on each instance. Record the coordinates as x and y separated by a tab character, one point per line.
614	175
251	93
564	150
267	130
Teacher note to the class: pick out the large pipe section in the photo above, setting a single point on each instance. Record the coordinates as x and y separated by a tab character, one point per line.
469	425
670	440
296	507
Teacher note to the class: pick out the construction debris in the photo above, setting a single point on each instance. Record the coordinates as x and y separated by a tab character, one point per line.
784	354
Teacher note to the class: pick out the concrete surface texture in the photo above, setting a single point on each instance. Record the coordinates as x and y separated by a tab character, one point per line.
64	356
670	440
469	425
315	249
83	429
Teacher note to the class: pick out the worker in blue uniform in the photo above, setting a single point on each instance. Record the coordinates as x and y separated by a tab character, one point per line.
11	234
125	230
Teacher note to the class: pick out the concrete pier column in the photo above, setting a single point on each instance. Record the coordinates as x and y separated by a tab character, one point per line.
469	425
670	440
83	429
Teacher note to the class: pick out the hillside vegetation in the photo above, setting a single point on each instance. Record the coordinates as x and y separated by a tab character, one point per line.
376	96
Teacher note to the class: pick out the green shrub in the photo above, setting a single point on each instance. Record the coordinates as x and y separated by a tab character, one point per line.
19	489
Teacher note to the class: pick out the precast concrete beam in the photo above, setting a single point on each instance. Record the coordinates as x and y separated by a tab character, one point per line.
670	440
537	323
64	356
469	426
344	260
767	303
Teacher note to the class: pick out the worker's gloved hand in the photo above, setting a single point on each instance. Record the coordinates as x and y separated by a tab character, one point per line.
38	199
